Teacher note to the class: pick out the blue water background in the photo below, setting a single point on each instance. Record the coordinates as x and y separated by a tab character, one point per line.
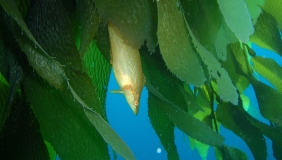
138	133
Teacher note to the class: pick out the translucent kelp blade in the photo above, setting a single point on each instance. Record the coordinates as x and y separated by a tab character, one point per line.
163	127
51	151
255	8
238	18
270	70
229	153
274	7
89	21
98	69
267	34
11	8
136	20
175	44
232	118
227	91
20	136
269	101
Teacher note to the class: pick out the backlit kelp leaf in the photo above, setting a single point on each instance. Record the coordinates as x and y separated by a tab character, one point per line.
269	101
267	34
50	24
270	70
175	44
227	91
237	17
51	151
229	153
11	8
232	118
136	20
255	8
62	120
89	20
98	69
163	127
274	7
102	39
20	137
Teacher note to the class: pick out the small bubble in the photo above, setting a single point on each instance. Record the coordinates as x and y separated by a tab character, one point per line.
159	150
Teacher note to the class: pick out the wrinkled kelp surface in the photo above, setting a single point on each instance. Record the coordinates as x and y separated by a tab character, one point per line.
196	56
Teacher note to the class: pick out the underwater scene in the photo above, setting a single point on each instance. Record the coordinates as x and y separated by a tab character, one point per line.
140	79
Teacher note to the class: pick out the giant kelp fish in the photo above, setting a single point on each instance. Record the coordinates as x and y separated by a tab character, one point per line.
126	63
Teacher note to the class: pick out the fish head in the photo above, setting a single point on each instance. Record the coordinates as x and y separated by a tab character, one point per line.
132	97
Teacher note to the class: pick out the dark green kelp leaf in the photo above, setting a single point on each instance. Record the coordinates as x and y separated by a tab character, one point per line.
230	153
89	20
175	45
237	17
232	118
102	40
274	7
271	132
3	100
270	70
226	89
267	33
98	69
162	126
62	120
49	69
21	137
187	123
11	8
50	24
162	84
269	101
136	20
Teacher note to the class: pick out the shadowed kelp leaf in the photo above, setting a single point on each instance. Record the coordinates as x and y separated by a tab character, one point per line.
136	20
267	33
237	17
226	89
274	7
162	126
50	24
89	20
270	70
232	118
175	45
3	100
229	153
21	137
11	8
269	101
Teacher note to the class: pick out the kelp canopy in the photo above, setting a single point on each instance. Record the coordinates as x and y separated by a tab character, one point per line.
55	67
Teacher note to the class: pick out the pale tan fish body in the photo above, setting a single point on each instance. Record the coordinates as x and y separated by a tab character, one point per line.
127	68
